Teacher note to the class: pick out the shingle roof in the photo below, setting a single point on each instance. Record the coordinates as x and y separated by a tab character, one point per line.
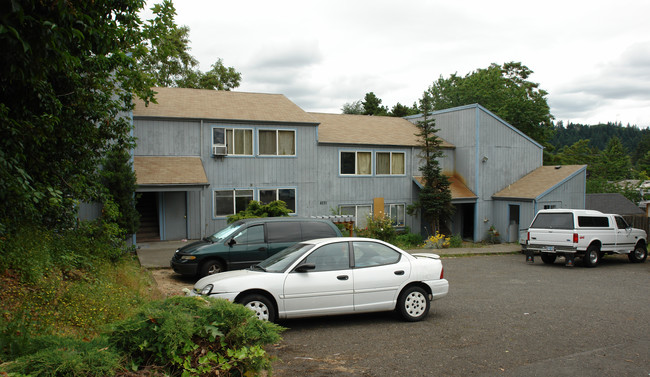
169	171
223	105
456	185
366	129
612	203
539	181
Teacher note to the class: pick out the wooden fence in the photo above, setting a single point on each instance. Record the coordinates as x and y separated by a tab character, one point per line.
639	221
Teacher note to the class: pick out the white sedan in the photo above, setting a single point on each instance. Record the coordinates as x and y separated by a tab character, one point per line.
333	276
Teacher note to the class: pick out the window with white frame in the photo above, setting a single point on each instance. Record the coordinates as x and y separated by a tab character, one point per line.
397	214
230	202
277	142
390	163
360	213
355	163
286	195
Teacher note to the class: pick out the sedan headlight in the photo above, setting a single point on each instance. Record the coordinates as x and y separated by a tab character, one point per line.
206	290
188	257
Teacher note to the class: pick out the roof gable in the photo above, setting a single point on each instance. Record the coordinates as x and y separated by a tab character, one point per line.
539	181
368	129
222	105
612	203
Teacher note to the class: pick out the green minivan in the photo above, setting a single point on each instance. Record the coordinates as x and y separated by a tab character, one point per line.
247	242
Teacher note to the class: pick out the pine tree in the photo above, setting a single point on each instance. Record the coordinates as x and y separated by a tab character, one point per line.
434	199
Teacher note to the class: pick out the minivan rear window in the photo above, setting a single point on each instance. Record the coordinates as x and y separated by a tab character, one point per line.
593	222
283	231
315	229
553	221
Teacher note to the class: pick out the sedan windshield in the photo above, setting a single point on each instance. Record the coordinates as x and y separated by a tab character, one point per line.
224	233
281	261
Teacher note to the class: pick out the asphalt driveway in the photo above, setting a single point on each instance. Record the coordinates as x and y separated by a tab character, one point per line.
502	317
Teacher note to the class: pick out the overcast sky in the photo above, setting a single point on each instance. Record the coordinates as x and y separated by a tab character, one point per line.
593	57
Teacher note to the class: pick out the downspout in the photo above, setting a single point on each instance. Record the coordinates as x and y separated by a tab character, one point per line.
202	224
476	174
132	160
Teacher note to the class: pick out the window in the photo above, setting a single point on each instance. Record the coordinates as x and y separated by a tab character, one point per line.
356	163
390	163
367	254
283	231
593	222
229	202
621	223
550	206
251	235
239	141
331	257
312	230
396	213
360	214
219	141
277	142
553	221
286	195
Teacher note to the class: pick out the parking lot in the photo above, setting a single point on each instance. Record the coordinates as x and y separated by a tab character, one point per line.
502	317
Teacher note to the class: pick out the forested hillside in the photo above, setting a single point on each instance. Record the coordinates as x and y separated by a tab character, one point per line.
598	135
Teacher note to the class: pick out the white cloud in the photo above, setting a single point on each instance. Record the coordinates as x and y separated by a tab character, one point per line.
593	59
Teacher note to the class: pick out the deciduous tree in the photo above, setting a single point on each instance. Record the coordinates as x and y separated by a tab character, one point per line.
504	90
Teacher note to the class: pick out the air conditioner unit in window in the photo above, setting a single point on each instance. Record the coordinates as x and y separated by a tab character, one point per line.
219	150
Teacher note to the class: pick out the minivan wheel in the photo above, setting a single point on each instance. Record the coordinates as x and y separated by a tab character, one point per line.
639	254
212	267
413	304
592	257
259	304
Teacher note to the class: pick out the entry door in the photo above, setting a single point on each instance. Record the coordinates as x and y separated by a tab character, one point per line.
175	215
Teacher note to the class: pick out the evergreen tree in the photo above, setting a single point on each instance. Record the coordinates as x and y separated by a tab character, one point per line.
434	199
613	163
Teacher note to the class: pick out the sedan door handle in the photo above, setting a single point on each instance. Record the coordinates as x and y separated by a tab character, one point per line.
400	272
261	249
342	277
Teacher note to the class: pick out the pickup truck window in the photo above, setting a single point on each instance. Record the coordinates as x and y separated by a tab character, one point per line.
553	221
621	223
593	222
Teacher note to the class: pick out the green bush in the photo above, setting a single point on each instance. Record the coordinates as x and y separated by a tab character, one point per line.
408	240
196	335
57	356
380	228
455	241
256	209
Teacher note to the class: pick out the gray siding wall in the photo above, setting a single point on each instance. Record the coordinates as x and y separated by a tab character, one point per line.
570	194
167	137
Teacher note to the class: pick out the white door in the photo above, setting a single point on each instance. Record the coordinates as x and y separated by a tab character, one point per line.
625	241
379	273
327	289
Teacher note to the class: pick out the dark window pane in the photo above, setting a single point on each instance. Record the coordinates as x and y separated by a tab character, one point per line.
313	230
283	231
347	163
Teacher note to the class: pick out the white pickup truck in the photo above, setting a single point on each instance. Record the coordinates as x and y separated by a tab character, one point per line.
584	234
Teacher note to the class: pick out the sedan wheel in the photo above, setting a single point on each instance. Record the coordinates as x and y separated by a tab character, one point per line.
259	304
413	304
638	255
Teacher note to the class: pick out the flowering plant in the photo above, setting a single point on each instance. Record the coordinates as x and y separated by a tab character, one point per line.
437	241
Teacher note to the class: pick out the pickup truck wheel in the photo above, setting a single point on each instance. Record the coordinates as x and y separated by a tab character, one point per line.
639	254
592	257
549	258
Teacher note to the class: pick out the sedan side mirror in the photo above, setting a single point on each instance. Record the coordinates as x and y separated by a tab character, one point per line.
231	242
305	267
